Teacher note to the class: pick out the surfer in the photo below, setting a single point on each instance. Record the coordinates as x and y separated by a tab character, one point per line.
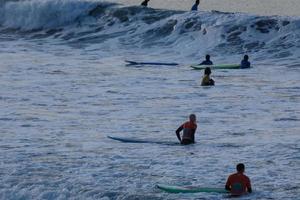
238	183
207	61
206	80
145	3
195	6
245	63
189	130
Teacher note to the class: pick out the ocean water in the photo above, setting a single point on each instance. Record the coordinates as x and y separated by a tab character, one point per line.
65	87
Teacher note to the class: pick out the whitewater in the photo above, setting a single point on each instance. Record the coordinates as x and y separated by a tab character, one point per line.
65	87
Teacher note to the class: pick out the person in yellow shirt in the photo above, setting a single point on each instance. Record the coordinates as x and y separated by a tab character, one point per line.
206	80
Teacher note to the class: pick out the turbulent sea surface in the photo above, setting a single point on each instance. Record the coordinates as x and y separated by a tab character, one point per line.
65	87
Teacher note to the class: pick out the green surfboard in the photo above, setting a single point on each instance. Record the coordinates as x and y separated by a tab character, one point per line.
189	189
224	66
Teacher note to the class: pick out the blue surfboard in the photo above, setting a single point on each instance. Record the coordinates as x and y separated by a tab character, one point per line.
140	141
129	62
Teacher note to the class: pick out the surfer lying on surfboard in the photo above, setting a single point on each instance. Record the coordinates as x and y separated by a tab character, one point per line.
238	183
189	130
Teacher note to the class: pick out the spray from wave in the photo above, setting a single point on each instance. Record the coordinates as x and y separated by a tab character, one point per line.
44	14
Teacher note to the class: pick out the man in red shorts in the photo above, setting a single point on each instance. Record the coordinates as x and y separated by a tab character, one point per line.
238	183
189	130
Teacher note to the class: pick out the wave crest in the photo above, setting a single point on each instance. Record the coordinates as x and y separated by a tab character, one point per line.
92	22
42	14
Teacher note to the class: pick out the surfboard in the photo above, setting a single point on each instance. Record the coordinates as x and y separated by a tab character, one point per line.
140	141
222	66
189	189
129	62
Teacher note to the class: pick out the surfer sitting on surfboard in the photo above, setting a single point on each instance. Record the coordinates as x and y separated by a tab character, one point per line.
238	183
189	130
206	80
145	3
245	63
207	61
195	6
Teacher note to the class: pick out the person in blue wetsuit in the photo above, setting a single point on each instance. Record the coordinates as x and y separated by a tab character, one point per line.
245	63
207	61
195	6
145	3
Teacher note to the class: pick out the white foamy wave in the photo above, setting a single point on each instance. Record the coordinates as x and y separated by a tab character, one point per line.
187	33
193	33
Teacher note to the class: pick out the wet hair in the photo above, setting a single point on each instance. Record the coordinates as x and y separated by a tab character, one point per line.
207	71
192	116
246	57
240	167
207	57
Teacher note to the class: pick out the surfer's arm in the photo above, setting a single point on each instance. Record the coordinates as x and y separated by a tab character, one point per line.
249	190
193	135
228	184
227	187
248	185
178	132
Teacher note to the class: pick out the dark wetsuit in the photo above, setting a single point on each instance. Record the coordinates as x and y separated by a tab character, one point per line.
245	64
206	62
144	3
195	7
188	136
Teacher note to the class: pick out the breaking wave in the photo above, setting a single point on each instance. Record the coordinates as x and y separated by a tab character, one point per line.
93	22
